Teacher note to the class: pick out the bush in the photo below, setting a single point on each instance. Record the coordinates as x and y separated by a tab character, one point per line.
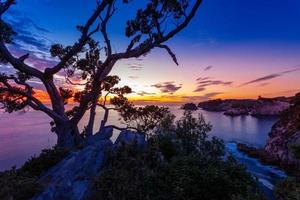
35	166
168	169
288	189
14	185
22	184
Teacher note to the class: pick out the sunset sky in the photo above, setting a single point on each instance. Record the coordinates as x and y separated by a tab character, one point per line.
231	49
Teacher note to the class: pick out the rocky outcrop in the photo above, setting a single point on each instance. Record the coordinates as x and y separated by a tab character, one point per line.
236	111
215	105
73	177
129	137
189	106
259	107
285	134
269	108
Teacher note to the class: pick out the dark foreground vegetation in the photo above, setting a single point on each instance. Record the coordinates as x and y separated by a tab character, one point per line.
22	184
178	162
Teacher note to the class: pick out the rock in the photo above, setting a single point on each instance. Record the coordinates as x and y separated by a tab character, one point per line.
105	134
236	112
129	137
284	134
189	106
72	178
259	107
269	108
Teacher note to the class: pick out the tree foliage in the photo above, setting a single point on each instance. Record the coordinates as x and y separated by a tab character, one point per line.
166	169
88	62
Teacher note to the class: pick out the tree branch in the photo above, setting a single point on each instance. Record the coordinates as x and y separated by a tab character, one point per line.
34	102
5	5
109	13
77	47
147	45
18	63
169	52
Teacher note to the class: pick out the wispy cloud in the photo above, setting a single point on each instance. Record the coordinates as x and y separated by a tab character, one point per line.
270	76
203	83
30	39
143	93
208	68
167	87
203	78
135	67
133	77
200	98
263	84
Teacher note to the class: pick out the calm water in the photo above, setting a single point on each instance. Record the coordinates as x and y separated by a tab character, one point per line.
23	135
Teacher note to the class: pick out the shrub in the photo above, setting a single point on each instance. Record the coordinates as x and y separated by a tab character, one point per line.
22	184
288	189
168	169
15	185
35	166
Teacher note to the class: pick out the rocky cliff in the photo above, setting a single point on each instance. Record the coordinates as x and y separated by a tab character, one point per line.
258	107
285	134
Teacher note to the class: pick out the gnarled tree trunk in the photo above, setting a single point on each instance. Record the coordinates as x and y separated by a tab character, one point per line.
67	136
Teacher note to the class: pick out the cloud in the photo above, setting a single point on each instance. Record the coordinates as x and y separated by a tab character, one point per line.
270	76
205	82
135	67
204	97
208	68
199	89
263	84
133	77
143	93
203	78
167	87
30	39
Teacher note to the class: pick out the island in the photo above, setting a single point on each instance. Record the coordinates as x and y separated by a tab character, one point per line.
255	107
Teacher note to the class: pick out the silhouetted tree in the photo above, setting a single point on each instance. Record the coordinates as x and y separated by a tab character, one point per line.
88	60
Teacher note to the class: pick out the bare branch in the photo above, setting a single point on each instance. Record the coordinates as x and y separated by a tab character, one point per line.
170	52
147	45
34	102
109	13
18	63
5	6
77	47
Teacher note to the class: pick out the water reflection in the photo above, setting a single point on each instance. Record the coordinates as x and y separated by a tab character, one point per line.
23	135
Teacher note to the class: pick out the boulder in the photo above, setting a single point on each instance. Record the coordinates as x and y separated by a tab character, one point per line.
129	137
72	178
105	134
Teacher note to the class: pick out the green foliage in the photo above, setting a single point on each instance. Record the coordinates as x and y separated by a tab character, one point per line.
15	185
145	119
21	184
148	20
166	169
35	166
288	189
6	32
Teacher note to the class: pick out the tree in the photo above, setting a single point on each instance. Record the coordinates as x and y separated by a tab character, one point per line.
153	25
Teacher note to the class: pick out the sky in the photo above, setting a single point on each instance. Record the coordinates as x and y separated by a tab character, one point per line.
231	49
